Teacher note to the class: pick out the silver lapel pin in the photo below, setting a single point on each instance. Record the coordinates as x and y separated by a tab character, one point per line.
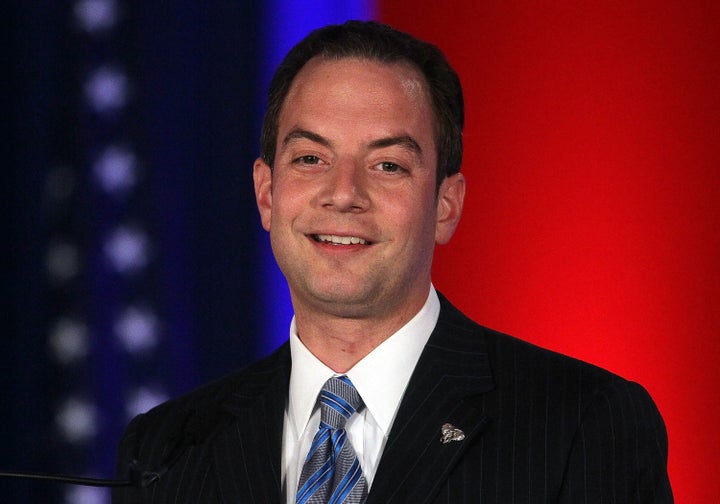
450	433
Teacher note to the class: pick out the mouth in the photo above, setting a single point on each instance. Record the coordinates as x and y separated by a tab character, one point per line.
339	240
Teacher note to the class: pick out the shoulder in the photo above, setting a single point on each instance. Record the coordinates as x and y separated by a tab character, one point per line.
524	369
195	416
247	381
596	429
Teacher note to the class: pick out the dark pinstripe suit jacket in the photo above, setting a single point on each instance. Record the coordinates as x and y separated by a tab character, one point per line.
540	427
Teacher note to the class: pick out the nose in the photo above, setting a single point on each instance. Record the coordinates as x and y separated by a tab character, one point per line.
345	188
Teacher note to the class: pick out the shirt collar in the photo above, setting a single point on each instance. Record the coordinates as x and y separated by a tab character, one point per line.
380	377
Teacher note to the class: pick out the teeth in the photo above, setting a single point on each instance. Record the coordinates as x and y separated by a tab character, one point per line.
341	240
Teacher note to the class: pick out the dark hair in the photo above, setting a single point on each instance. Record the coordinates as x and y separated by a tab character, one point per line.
378	42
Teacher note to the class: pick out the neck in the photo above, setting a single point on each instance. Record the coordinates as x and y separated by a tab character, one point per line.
340	342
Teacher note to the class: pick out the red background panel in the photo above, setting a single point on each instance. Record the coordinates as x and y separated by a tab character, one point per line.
592	221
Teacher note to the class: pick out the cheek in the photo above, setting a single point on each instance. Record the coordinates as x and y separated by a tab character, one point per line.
413	218
288	203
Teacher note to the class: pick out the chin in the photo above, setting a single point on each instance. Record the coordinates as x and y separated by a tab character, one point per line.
341	301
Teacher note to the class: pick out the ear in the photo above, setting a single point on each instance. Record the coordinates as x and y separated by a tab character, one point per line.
262	178
450	198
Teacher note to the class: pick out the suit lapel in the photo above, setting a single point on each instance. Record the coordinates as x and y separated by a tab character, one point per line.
247	453
446	387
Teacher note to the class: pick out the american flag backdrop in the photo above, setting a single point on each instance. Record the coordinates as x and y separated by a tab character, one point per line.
134	266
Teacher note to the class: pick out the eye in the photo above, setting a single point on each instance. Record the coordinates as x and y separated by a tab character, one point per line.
389	167
307	160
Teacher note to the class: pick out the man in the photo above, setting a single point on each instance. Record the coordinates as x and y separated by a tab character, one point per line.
358	180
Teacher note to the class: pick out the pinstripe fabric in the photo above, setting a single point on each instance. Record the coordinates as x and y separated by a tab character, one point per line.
539	428
235	455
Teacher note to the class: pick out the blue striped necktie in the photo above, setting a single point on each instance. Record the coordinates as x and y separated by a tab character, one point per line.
331	473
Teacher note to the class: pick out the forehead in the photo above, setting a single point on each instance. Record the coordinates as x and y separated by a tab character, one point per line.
334	81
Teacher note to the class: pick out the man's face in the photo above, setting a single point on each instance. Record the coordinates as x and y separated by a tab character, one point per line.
351	203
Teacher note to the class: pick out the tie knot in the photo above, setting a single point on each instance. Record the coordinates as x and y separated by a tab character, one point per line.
339	400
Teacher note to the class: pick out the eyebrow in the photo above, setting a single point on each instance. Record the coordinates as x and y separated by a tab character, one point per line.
299	133
405	141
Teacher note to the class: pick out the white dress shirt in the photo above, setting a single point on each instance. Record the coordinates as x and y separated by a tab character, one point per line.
380	378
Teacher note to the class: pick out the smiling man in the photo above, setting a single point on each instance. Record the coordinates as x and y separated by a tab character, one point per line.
385	392
352	205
